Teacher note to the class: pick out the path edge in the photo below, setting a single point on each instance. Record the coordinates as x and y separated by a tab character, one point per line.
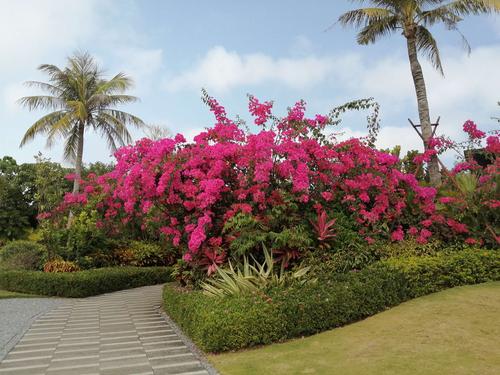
199	354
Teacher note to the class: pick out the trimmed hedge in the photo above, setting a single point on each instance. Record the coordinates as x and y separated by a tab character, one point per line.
83	283
236	322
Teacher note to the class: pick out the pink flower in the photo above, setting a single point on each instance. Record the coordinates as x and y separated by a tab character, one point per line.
397	235
471	128
471	241
493	144
413	231
493	203
456	226
369	240
464	166
179	138
89	189
327	196
426	223
364	197
424	233
446	200
425	157
261	111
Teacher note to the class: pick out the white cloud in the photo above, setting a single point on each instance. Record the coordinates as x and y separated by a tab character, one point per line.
32	28
468	91
221	70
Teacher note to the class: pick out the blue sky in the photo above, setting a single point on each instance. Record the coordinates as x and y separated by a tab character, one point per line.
275	49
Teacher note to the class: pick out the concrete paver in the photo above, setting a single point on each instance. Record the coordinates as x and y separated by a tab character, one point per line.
116	333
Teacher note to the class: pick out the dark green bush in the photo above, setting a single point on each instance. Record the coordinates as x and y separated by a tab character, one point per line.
23	255
82	283
146	254
221	324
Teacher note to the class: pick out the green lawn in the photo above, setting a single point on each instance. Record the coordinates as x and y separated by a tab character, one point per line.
7	294
452	332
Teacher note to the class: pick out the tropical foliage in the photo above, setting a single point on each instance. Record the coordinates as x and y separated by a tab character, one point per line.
413	18
289	187
80	99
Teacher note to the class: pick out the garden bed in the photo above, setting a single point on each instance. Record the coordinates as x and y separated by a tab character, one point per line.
82	283
236	322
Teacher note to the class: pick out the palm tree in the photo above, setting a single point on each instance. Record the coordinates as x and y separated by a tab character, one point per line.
80	99
412	18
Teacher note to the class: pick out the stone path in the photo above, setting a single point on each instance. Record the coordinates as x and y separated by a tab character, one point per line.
17	315
117	333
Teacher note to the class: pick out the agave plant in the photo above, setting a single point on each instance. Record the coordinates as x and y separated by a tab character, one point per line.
251	277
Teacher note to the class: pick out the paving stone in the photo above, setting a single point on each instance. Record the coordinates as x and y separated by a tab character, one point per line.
113	334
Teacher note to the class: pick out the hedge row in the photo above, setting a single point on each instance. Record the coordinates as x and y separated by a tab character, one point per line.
236	322
82	283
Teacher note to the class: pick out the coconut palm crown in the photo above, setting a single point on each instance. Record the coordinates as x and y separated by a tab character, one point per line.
413	18
80	99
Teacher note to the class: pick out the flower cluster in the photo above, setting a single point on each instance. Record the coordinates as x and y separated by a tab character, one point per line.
189	191
471	129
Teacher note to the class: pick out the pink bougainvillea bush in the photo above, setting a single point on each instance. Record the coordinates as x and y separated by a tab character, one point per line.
285	185
469	200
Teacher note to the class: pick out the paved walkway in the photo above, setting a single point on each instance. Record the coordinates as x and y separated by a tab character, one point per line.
117	333
17	315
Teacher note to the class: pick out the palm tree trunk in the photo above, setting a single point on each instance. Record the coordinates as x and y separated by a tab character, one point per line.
78	170
423	106
79	159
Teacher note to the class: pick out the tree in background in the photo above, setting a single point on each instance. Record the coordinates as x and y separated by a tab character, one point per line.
80	99
156	132
412	18
50	183
17	206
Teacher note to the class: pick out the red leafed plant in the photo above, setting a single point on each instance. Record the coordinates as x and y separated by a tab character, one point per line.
212	260
324	227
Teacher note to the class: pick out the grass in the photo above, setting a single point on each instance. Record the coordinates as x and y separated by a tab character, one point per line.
452	332
7	294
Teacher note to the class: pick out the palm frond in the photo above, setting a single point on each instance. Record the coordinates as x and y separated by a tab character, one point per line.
54	90
377	29
61	128
79	109
119	83
53	71
106	100
427	45
474	7
41	126
363	16
113	129
125	118
71	145
42	101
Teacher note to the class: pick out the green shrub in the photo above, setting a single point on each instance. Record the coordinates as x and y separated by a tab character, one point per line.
82	283
83	236
147	254
221	324
235	322
23	255
410	247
